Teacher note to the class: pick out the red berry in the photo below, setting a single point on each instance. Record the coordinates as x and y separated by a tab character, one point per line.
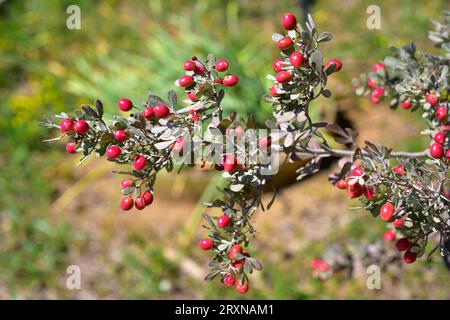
81	127
238	264
406	104
126	183
113	152
288	21
439	137
296	59
265	142
283	76
70	147
400	169
372	82
194	115
148	198
369	192
140	203
206	244
234	250
230	80
337	62
218	80
436	150
285	43
191	96
229	163
357	171
241	287
222	65
409	257
278	65
223	221
398	223
139	162
273	91
319	265
185	81
66	125
378	92
447	155
199	69
125	104
148	113
120	135
387	211
441	113
389	235
161	110
228	280
402	244
378	66
126	203
375	99
189	65
354	190
341	184
432	99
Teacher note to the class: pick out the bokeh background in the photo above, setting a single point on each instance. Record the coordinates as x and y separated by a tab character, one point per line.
53	215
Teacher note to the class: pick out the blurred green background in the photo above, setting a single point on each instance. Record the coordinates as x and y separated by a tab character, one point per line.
53	215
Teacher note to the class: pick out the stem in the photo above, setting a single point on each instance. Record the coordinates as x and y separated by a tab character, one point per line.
345	153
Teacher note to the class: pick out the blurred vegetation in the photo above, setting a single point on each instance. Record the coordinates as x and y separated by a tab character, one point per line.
126	48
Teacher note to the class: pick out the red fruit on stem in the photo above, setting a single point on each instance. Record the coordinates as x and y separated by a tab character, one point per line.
238	264
447	155
357	171
337	62
278	65
223	221
222	65
228	280
191	96
235	249
229	163
341	184
194	115
369	192
432	99
199	69
283	76
375	99
149	113
296	59
354	190
206	244
441	113
140	203
139	162
113	152
288	21
126	203
436	150
402	244
409	257
378	66
66	125
439	137
406	104
285	43
81	127
387	211
398	223
185	81
189	65
70	147
400	169
389	235
126	183
274	91
125	104
378	92
161	110
230	80
319	265
120	135
241	287
372	82
148	198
